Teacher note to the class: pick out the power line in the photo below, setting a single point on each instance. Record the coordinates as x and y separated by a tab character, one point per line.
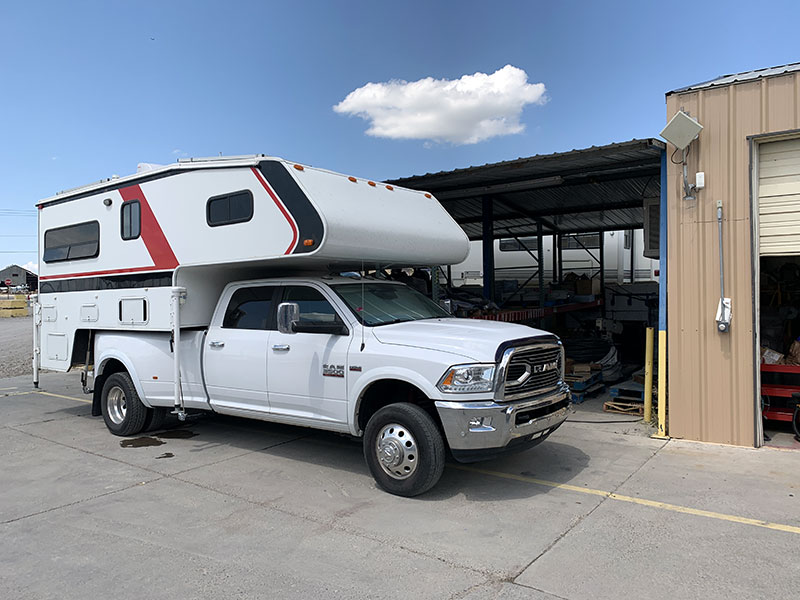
17	235
18	251
13	212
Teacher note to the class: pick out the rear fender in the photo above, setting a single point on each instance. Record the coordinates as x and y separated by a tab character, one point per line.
108	355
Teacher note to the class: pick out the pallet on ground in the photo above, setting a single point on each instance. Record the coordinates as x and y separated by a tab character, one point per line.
623	408
628	391
578	397
579	382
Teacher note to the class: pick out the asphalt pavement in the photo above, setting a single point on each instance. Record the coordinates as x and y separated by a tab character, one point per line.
232	508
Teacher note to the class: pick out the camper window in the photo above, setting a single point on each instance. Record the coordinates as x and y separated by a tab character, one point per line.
72	242
236	207
130	220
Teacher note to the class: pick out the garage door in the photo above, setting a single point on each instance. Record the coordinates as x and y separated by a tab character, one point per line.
779	197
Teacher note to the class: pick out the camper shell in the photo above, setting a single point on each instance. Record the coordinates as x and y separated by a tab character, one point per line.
199	224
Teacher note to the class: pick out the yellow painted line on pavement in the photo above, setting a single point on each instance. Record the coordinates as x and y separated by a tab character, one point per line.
65	397
6	389
641	501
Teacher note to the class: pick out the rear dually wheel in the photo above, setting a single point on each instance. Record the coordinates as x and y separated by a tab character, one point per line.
123	411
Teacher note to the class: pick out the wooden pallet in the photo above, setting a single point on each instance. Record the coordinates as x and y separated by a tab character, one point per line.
624	408
578	397
580	382
629	391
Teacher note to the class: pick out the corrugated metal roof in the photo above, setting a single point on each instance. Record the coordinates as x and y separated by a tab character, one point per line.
740	77
591	189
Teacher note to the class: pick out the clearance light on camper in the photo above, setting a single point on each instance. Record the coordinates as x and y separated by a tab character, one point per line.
468	378
390	188
427	195
308	242
372	183
353	179
299	167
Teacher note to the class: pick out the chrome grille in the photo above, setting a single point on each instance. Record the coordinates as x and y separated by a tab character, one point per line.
533	370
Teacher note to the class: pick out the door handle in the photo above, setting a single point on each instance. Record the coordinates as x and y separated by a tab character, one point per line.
217	344
281	347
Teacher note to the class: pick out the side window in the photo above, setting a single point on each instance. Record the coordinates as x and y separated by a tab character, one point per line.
250	308
236	207
72	242
314	307
130	220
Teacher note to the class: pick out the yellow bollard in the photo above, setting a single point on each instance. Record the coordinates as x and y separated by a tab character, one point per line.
662	385
648	376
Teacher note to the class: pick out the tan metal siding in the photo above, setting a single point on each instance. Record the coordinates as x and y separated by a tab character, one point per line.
711	375
779	197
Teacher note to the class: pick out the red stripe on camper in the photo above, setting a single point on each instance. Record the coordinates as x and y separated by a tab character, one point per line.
152	234
281	207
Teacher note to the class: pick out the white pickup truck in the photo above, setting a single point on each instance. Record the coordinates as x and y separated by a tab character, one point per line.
363	357
202	285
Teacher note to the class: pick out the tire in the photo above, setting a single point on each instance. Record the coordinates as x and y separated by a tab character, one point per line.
123	412
156	417
404	449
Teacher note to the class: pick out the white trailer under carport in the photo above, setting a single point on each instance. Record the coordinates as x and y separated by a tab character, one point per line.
142	275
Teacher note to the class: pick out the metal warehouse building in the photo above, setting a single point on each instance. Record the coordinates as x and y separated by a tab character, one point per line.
749	151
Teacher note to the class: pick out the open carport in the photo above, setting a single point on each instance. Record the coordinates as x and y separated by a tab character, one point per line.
597	189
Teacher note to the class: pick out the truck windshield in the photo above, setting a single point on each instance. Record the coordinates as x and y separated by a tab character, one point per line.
385	303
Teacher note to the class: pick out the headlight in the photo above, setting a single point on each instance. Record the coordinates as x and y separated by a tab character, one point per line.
468	378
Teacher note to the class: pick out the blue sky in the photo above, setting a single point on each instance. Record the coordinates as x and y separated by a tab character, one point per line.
90	89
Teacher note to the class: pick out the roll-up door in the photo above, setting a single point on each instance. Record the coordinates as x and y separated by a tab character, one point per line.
779	197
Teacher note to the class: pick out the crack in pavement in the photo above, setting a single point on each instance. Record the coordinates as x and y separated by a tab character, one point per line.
582	518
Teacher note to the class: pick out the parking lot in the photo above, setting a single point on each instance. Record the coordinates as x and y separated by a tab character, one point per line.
230	508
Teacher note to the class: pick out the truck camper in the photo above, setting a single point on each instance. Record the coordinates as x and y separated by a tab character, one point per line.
212	285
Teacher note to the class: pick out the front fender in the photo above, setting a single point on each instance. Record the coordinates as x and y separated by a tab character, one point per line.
383	373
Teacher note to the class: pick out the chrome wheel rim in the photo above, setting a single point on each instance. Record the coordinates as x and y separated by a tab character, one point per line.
396	450
117	405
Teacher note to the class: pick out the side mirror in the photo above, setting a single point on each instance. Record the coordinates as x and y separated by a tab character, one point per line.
447	305
288	314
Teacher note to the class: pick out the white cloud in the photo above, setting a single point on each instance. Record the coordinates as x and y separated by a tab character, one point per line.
461	111
31	266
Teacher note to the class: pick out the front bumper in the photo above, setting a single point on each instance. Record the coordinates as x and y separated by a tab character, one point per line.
483	429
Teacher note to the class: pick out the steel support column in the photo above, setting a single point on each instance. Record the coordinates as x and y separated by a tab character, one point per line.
560	251
554	277
662	303
488	248
602	235
540	255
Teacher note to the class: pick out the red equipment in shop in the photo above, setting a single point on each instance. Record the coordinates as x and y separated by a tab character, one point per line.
789	410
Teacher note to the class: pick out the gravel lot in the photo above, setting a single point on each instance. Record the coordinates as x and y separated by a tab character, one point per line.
16	346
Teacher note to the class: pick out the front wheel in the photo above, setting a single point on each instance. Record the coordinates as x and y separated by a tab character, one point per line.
404	449
123	412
